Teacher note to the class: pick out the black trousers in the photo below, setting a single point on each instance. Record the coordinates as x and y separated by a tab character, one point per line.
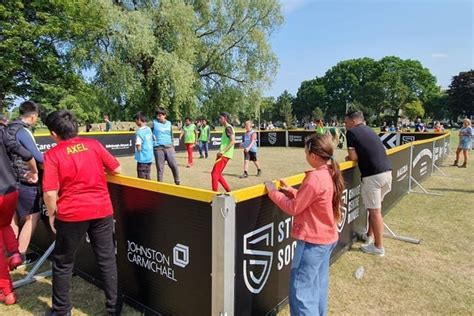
69	235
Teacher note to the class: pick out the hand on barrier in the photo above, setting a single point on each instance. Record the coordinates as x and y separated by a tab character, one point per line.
270	186
286	189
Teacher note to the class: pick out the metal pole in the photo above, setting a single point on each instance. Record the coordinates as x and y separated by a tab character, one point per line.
223	255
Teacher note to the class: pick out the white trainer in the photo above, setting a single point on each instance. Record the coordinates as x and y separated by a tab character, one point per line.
369	240
371	249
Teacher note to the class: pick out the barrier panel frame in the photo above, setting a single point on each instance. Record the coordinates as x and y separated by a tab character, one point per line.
225	235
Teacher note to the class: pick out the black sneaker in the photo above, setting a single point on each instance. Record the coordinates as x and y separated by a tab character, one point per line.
244	175
29	258
259	172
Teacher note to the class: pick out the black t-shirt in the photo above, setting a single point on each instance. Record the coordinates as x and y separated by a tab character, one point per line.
372	158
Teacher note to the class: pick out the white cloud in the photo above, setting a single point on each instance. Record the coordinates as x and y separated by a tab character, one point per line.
290	6
439	55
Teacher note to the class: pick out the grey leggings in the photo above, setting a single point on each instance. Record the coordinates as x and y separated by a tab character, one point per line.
168	154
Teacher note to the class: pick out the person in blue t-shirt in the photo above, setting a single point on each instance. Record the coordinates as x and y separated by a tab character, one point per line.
143	146
163	145
249	145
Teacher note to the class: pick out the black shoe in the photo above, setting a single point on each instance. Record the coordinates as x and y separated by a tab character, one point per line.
29	258
55	313
177	183
244	175
259	172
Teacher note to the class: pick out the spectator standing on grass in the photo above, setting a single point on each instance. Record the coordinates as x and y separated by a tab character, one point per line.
10	257
78	202
316	207
189	132
163	147
365	147
143	146
108	123
204	139
249	146
29	203
465	142
225	153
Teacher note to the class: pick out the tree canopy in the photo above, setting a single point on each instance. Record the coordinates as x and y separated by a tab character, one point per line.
138	54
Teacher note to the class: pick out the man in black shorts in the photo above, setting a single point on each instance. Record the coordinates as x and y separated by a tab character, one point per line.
365	147
28	208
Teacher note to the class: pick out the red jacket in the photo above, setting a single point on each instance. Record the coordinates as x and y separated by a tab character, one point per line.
311	207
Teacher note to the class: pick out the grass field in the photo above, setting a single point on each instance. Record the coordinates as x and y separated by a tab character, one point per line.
434	277
275	163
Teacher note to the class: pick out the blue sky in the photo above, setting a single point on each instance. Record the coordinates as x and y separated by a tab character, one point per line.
317	34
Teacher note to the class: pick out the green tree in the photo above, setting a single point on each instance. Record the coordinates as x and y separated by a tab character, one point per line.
318	113
461	94
414	109
285	108
311	94
437	107
36	40
178	54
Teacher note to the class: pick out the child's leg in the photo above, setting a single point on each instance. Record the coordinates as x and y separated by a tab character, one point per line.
200	148
324	278
206	149
5	281
216	174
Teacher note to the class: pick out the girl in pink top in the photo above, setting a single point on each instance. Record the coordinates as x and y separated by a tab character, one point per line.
316	210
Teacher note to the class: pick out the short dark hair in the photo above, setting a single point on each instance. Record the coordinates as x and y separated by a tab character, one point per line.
140	116
63	123
225	115
161	111
355	115
204	119
187	119
28	108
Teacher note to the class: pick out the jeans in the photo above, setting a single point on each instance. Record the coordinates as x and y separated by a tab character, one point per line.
69	235
168	154
309	279
203	147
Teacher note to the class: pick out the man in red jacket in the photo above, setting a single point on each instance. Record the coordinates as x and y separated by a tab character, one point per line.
78	201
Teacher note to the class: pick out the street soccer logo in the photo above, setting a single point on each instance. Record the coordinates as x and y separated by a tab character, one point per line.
272	138
344	198
408	139
257	262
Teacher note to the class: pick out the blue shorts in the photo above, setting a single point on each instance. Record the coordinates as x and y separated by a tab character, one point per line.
28	200
465	143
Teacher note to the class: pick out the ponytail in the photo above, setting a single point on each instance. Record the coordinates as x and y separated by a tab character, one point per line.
338	189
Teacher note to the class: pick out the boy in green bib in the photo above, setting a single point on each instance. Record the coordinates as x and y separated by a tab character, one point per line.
226	152
189	131
204	139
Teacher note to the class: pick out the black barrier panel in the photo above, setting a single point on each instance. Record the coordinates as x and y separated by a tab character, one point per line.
84	266
400	162
164	251
264	248
273	139
298	138
422	159
117	144
438	152
410	137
